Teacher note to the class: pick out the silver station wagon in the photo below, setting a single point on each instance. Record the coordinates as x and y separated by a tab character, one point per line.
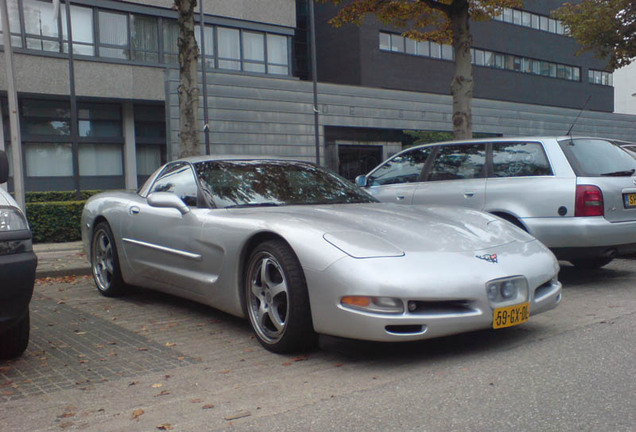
576	195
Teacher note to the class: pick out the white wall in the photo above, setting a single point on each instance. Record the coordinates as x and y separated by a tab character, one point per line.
625	89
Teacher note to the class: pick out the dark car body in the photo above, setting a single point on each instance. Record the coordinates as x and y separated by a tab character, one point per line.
17	272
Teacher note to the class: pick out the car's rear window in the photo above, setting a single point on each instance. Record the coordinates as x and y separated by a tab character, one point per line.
597	157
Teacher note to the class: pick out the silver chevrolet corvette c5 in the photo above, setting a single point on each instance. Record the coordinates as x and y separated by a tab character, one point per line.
301	252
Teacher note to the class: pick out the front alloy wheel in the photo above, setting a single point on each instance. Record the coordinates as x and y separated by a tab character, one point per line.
277	299
105	262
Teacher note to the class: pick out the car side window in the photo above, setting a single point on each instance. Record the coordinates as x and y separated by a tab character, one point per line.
403	168
519	160
458	162
178	179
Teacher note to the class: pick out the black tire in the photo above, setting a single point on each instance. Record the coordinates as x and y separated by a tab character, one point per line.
276	299
105	262
513	220
590	263
14	341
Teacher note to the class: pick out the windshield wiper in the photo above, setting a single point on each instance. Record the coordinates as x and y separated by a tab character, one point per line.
625	173
267	204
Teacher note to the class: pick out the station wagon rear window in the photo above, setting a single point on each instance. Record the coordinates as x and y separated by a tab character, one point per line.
597	158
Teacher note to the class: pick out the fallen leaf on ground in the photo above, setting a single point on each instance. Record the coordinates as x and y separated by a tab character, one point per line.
157	385
136	414
163	393
208	406
238	415
165	426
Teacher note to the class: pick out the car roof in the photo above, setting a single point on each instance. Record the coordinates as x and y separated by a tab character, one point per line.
512	139
234	157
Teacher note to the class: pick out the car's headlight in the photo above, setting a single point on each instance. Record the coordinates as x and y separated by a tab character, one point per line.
14	232
508	290
11	219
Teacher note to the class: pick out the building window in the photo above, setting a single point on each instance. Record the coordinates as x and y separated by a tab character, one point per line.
14	23
208	34
101	140
45	117
48	159
99	121
144	38
170	38
229	48
113	35
599	77
100	159
40	26
150	139
82	28
531	20
253	52
484	58
277	54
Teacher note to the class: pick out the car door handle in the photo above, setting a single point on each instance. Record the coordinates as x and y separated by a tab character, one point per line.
133	210
400	197
469	194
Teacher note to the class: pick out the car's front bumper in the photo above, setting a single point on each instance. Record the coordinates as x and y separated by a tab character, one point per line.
451	290
581	237
17	278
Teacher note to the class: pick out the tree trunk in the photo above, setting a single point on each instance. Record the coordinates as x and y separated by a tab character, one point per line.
462	83
189	143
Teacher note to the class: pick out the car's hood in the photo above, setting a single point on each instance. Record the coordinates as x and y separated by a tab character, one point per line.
392	230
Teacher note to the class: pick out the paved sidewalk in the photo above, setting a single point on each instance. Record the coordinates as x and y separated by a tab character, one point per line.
61	259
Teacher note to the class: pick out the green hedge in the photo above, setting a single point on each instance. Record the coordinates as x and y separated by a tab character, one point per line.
55	222
55	216
54	196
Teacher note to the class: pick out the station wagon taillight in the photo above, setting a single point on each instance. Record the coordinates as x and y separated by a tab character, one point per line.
589	201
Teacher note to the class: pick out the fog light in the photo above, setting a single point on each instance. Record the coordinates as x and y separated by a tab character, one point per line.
373	304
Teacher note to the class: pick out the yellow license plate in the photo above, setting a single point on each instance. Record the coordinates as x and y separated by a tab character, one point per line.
629	200
510	316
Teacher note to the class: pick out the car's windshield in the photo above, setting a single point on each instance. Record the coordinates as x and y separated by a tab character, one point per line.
597	157
269	183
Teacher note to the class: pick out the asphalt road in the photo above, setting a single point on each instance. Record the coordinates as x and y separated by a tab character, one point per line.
152	362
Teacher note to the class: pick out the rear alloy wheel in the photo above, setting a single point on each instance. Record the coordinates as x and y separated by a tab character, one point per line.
14	341
105	262
277	299
591	263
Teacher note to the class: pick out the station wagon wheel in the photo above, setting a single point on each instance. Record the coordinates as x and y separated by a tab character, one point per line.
277	300
105	262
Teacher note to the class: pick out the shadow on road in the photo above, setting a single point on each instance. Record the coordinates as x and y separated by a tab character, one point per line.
571	276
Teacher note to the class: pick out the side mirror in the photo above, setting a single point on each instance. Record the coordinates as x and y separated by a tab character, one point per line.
167	200
362	181
4	167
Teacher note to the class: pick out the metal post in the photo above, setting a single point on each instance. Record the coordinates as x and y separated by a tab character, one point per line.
204	82
74	122
314	76
14	118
